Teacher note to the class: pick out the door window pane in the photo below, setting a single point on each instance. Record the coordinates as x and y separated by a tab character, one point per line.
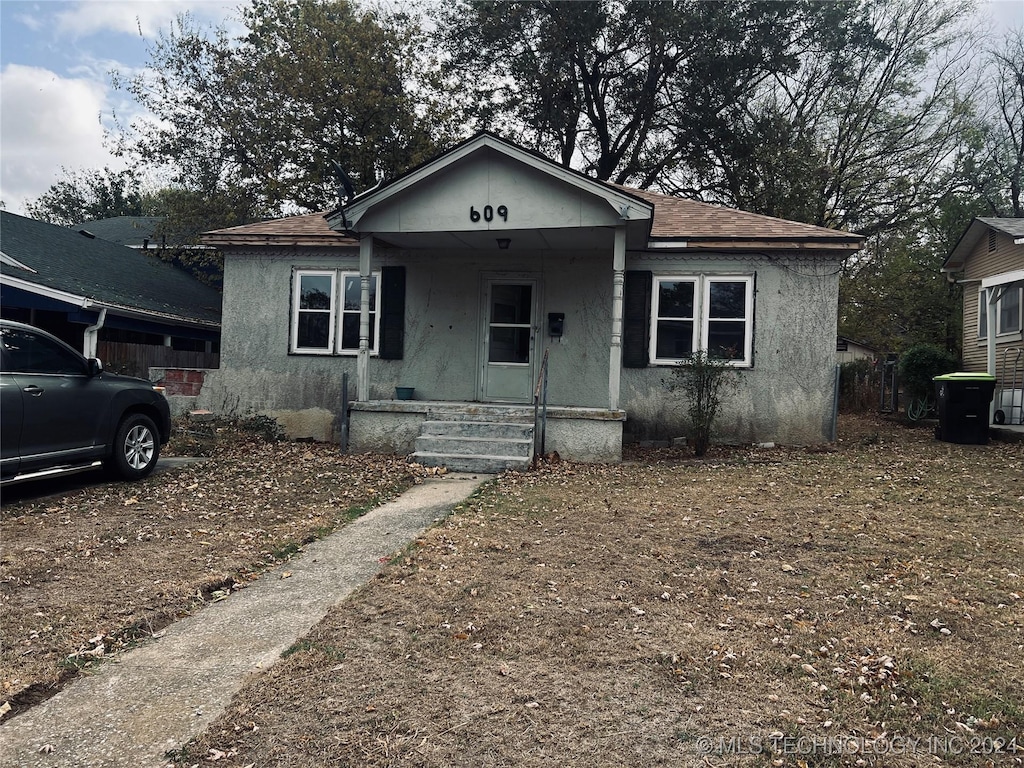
509	345
25	352
511	304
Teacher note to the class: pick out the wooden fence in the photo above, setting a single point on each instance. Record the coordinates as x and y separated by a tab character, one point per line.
137	359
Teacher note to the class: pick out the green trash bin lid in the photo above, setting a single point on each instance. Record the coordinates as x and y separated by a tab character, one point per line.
965	376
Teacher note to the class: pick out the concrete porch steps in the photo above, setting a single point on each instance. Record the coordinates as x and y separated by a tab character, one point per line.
475	446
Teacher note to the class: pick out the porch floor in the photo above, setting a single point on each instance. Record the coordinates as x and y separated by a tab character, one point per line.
452	410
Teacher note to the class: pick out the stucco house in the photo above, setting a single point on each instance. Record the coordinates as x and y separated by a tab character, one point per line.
988	261
489	269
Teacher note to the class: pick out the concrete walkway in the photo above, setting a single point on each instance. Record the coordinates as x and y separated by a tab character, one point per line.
153	699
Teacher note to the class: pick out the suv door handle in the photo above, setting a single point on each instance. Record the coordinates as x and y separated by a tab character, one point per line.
33	390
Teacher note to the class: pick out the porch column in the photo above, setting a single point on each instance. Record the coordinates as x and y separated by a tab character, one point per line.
363	358
993	295
615	356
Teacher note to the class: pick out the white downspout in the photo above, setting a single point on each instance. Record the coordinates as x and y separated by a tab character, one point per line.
91	340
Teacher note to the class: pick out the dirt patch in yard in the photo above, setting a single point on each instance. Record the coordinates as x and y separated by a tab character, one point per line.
856	605
93	571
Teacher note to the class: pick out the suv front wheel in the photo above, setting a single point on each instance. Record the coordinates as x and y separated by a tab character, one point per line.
136	447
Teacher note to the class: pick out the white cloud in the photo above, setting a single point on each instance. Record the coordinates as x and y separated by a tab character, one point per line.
134	17
48	123
51	121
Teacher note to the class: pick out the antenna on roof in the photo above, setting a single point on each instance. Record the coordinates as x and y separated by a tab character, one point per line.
344	183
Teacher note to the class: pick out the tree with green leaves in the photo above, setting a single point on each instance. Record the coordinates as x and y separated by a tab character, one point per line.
264	113
88	195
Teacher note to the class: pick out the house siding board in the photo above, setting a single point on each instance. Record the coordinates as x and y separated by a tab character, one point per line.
982	263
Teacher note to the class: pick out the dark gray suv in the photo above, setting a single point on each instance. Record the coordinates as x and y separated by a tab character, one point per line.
61	413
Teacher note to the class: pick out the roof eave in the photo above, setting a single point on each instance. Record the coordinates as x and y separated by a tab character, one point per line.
847	244
316	241
88	302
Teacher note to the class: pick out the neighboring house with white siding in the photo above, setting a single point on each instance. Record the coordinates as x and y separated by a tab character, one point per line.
469	274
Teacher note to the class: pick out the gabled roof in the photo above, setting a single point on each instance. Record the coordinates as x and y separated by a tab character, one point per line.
123	230
978	228
629	206
671	222
74	268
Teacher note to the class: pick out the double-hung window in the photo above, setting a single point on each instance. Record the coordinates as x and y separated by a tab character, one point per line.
702	312
325	312
1008	311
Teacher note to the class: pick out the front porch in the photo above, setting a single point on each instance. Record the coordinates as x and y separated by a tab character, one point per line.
395	426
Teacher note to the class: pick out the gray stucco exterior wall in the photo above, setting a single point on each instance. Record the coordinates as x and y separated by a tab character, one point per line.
784	397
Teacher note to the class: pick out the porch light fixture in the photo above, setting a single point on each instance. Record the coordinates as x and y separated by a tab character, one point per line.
504	243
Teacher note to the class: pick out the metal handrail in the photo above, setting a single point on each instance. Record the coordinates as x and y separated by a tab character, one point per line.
540	409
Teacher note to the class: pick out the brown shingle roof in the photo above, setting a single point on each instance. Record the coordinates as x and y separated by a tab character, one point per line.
700	225
677	218
309	229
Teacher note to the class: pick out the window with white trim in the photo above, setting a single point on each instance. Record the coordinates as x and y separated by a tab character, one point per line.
1008	311
325	312
713	313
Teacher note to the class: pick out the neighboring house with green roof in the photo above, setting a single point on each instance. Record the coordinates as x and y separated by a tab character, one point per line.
88	290
473	279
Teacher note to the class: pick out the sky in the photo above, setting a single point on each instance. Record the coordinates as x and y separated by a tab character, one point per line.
56	98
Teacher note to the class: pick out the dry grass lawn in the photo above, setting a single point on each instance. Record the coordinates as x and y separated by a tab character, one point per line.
856	605
91	572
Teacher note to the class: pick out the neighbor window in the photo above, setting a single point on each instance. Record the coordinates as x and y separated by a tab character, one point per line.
324	322
1008	311
712	313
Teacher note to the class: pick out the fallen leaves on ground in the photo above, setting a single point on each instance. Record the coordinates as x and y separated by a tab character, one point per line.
93	571
641	614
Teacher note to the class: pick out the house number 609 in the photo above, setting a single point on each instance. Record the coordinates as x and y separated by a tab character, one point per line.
488	214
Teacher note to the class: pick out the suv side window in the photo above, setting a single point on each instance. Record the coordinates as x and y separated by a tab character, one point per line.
25	352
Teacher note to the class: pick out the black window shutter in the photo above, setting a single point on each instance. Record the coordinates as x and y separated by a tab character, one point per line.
636	318
392	308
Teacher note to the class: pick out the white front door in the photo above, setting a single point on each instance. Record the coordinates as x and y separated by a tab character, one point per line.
508	340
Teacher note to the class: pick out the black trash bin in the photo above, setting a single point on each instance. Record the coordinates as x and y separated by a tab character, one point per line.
962	402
